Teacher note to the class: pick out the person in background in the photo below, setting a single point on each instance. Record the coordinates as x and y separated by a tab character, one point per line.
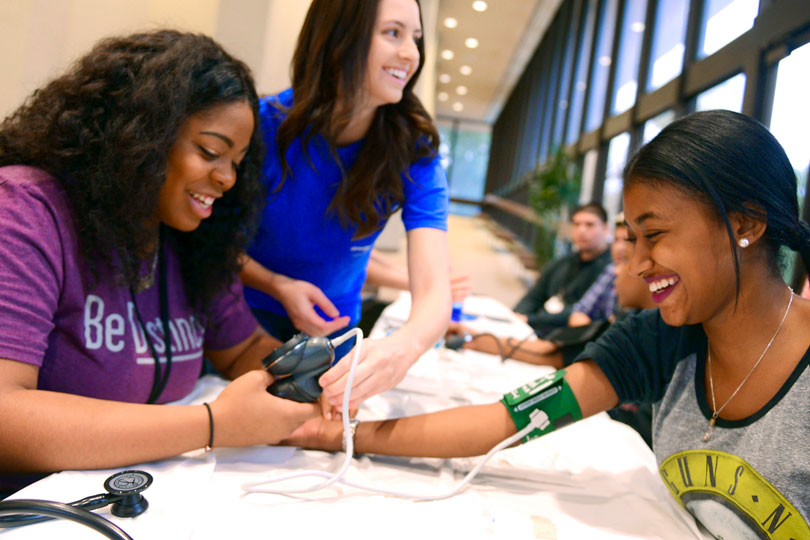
724	359
348	145
128	188
548	304
599	301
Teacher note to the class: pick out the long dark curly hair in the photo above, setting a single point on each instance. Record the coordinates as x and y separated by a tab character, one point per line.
328	70
104	129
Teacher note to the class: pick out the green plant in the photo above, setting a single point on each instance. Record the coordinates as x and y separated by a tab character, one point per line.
553	192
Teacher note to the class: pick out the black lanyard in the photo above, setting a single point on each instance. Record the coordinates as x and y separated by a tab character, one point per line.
160	380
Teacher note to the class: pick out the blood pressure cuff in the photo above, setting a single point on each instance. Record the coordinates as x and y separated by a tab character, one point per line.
548	396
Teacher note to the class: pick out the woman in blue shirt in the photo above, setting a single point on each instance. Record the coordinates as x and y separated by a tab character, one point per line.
348	145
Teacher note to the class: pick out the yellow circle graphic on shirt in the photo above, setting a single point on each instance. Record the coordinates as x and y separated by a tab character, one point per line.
730	498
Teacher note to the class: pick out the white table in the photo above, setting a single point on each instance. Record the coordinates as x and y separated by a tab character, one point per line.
592	480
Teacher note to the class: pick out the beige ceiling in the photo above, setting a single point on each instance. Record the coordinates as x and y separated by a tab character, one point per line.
508	33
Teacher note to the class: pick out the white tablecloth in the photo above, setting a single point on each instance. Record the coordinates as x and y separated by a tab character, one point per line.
592	480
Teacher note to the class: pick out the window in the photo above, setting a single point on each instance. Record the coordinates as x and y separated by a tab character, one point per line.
464	154
588	176
565	81
632	32
791	113
653	126
581	77
668	42
726	95
601	65
723	21
616	160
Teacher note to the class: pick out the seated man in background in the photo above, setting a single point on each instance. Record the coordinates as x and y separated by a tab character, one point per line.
599	301
563	281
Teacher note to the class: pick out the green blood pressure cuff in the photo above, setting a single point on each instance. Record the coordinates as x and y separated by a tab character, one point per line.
548	396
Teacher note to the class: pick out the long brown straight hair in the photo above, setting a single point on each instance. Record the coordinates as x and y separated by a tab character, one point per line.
329	66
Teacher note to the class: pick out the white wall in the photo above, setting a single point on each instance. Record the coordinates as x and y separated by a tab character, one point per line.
40	38
426	85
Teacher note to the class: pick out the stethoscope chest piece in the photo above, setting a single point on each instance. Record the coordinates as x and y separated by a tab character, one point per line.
128	485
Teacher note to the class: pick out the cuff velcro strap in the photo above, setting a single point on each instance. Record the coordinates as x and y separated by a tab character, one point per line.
550	396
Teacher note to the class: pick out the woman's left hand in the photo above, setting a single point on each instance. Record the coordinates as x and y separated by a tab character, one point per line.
383	364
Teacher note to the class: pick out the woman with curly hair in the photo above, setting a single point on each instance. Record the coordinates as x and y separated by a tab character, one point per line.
128	188
348	145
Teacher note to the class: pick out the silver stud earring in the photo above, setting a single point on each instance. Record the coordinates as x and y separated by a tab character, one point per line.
743	243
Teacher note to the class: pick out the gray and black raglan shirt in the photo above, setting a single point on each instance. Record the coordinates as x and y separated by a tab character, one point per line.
751	479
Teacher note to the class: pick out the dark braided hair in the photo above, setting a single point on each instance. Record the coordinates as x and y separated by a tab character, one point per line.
734	164
104	129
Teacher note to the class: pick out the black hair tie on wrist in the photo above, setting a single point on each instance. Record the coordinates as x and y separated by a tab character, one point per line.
210	445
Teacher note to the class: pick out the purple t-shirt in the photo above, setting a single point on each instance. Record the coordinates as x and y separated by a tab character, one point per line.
85	336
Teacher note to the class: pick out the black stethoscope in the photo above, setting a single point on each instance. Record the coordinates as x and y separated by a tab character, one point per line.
160	380
123	493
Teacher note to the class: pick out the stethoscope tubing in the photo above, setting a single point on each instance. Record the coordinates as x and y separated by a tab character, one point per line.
50	509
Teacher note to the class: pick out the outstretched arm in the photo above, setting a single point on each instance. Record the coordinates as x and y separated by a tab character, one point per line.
383	272
44	431
459	432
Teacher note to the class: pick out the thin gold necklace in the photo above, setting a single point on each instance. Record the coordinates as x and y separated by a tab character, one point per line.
715	411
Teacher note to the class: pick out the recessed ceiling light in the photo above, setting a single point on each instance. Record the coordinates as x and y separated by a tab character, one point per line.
637	27
461	90
465	70
444	78
450	22
605	61
443	96
479	5
472	43
458	107
447	54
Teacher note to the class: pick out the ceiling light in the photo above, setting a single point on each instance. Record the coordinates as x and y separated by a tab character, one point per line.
458	107
444	78
465	70
443	96
637	27
461	90
447	54
472	43
479	5
605	61
450	22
